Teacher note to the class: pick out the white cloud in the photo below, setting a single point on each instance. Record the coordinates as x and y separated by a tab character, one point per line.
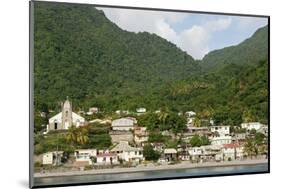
194	40
250	23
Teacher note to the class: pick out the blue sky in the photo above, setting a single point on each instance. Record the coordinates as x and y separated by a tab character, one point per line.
197	34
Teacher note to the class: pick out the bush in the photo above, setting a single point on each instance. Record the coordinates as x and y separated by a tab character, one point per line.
37	164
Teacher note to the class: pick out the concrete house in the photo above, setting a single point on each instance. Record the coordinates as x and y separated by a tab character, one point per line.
122	124
221	140
83	156
232	151
252	125
127	152
52	158
170	154
141	110
221	130
107	159
140	135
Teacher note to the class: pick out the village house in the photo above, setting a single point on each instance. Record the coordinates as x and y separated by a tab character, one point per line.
221	130
199	130
209	152
127	152
232	151
220	140
107	158
94	110
122	112
140	135
182	150
251	125
52	158
158	146
65	119
83	156
195	153
118	136
170	154
101	121
190	114
122	124
239	137
141	110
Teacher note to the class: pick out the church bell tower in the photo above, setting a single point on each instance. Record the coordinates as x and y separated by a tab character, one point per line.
66	114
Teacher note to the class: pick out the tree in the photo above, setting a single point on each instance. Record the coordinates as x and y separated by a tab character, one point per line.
195	141
149	153
204	140
71	135
197	122
250	148
259	138
82	136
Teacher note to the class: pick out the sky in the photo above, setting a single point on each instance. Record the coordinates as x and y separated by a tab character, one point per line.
197	34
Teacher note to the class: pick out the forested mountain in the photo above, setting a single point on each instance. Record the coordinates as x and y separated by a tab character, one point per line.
81	54
249	51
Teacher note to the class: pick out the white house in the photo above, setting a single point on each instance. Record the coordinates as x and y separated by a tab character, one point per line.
221	130
195	153
52	158
232	151
65	119
127	152
94	109
221	140
84	155
107	158
101	121
140	135
122	124
190	114
141	110
252	125
170	154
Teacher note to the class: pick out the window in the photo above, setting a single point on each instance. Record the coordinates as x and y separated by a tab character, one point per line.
66	113
56	125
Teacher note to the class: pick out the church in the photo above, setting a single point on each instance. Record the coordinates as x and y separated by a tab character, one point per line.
65	119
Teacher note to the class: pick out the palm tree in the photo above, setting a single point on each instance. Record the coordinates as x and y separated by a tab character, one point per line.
250	148
82	136
163	117
197	122
71	135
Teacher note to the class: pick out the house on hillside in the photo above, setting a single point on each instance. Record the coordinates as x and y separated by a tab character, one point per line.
232	151
52	158
170	154
252	125
221	140
141	110
83	156
94	110
127	152
221	130
107	158
122	124
65	119
140	135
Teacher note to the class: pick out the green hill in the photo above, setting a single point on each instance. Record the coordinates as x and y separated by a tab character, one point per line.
249	51
81	54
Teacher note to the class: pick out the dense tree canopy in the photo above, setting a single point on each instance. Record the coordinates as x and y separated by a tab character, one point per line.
81	54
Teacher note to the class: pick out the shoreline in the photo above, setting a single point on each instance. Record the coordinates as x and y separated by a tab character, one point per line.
183	165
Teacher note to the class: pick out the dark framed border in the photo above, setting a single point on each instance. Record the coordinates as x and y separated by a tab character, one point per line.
31	97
